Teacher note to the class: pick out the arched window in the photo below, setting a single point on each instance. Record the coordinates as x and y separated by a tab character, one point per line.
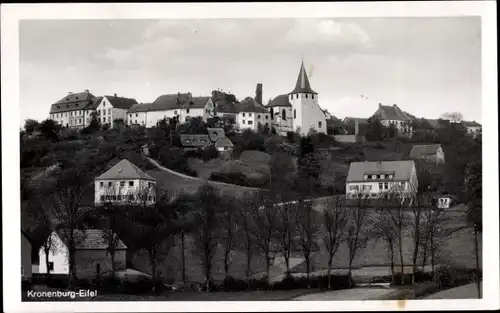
283	114
313	96
291	97
306	95
272	113
297	96
294	114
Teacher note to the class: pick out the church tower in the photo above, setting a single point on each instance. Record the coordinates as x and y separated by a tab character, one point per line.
306	112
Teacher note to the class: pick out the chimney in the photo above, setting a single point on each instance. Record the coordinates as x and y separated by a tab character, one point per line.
394	105
86	90
70	93
115	95
356	127
258	93
379	105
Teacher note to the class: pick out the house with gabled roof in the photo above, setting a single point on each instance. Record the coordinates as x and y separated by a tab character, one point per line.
92	255
74	110
252	114
393	115
125	183
298	110
112	108
473	128
374	179
433	153
181	106
195	142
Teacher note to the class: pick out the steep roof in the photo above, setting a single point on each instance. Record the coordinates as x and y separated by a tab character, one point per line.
223	142
139	107
215	133
74	101
195	140
423	150
121	102
169	102
281	101
386	112
400	169
250	105
225	106
361	120
195	103
93	105
125	170
471	124
89	239
302	85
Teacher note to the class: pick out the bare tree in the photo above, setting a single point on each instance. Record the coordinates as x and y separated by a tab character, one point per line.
416	225
307	228
229	231
265	221
286	229
399	220
335	217
356	237
454	117
246	226
207	232
384	230
67	199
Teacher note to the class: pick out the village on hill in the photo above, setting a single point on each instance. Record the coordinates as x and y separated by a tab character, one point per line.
223	193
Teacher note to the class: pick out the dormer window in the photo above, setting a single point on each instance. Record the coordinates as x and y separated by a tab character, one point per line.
390	176
382	176
187	110
365	177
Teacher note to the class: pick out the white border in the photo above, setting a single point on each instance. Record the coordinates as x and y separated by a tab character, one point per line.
12	13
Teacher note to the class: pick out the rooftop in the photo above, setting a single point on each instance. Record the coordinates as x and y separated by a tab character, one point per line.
400	169
124	170
423	150
121	102
386	112
89	239
303	85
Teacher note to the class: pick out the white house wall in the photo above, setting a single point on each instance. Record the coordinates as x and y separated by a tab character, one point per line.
116	189
58	255
308	114
139	118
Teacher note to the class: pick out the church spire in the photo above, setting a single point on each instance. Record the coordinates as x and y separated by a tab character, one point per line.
302	85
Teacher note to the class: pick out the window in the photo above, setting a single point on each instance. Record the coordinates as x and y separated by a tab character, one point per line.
136	115
175	112
250	122
119	197
250	114
306	95
131	183
403	184
283	114
136	121
373	177
258	116
382	176
109	184
365	176
313	96
243	121
386	185
294	114
297	96
267	117
114	197
390	176
122	184
319	124
103	103
291	97
187	110
109	111
150	185
150	198
380	186
353	187
102	198
243	114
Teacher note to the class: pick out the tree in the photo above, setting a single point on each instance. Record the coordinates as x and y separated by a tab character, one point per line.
454	117
111	214
356	238
307	229
229	229
335	217
246	227
286	227
31	125
50	129
66	200
265	220
375	130
474	197
418	206
384	230
194	126
207	232
153	226
95	122
399	221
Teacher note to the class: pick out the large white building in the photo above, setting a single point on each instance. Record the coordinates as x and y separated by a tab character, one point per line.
252	115
373	179
298	111
393	115
182	106
125	183
110	109
74	110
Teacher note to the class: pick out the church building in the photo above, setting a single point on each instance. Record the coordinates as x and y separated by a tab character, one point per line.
298	111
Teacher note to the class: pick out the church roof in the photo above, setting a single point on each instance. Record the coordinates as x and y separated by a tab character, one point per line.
302	85
280	101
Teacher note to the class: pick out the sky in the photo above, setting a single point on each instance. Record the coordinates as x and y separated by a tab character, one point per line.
425	65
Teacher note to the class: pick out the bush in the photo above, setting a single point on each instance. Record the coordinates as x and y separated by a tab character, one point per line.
321	282
210	153
234	178
451	276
